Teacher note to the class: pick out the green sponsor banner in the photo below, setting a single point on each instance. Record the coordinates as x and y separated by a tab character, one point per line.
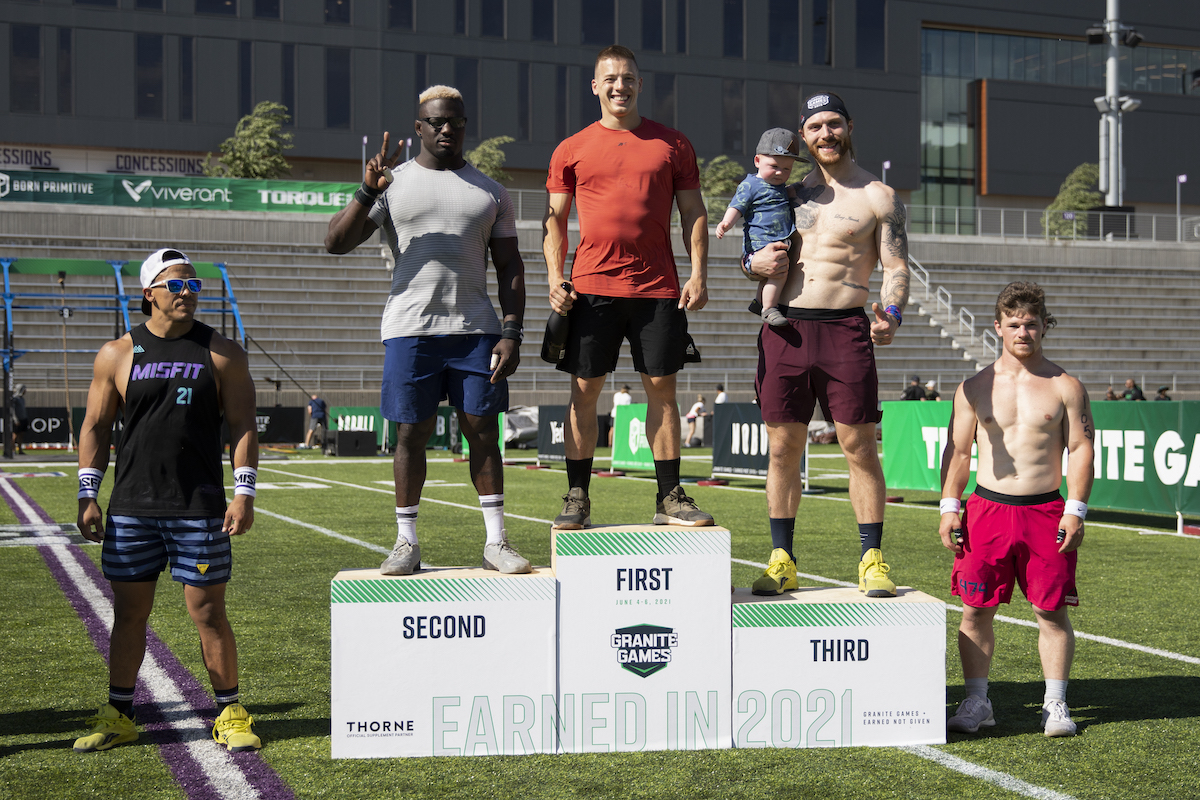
1147	455
159	191
631	449
362	418
466	446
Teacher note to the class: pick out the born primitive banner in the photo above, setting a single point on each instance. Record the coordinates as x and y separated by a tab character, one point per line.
1147	455
361	418
161	191
739	440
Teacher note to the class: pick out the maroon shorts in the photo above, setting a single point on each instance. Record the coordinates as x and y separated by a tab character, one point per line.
821	356
1010	537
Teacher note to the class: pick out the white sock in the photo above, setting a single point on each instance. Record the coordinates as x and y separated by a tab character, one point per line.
1055	690
977	687
406	524
493	517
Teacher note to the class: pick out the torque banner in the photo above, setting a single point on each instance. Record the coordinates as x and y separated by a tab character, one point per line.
161	191
1147	455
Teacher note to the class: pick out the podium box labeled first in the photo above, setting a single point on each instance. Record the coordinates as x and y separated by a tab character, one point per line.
644	638
824	667
443	662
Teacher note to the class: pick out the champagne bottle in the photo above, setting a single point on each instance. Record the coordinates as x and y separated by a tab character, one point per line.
554	341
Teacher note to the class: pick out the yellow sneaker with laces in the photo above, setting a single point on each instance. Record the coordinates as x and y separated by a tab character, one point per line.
779	576
109	729
873	575
233	730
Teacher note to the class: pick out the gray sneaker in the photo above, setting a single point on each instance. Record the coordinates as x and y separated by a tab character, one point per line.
973	713
576	513
405	559
504	559
1056	719
679	509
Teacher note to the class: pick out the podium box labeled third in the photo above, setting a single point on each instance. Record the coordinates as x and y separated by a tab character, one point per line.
644	638
443	662
833	668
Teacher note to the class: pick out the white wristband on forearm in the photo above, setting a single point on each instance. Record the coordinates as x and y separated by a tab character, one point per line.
89	482
1076	508
950	505
244	479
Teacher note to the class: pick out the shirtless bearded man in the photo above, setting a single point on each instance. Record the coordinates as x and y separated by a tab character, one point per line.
848	221
1022	411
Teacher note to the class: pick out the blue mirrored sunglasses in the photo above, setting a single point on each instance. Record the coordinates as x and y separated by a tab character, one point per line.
175	285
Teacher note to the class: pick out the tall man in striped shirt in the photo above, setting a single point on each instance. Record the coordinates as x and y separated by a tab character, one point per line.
441	336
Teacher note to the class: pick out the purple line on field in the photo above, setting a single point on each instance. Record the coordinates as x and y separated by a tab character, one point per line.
172	748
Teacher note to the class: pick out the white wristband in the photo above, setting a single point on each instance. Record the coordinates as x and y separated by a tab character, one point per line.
1076	508
244	479
950	505
89	481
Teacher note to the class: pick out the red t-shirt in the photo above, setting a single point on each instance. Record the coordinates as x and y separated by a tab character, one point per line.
624	183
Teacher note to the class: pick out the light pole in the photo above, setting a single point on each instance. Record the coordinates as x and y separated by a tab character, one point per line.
886	166
1180	180
364	156
1113	105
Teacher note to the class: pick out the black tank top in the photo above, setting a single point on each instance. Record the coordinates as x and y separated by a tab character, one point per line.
169	457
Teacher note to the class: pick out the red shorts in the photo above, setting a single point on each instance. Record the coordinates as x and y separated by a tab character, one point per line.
821	356
1014	537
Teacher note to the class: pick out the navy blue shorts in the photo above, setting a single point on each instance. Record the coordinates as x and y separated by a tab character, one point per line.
421	371
139	548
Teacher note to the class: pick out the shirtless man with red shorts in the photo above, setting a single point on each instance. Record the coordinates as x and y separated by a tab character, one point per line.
848	221
1022	411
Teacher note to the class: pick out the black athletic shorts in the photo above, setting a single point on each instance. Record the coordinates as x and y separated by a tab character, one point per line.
655	327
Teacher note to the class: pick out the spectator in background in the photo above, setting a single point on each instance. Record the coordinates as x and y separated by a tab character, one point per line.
931	392
913	391
721	397
318	417
1162	393
1132	391
18	416
620	398
1110	394
697	410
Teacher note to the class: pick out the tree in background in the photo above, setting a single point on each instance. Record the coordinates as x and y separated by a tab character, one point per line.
720	177
1077	193
256	148
489	158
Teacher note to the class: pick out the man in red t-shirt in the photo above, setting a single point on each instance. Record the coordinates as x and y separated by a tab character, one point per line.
624	172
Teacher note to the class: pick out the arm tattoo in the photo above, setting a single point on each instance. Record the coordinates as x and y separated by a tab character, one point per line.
895	288
896	237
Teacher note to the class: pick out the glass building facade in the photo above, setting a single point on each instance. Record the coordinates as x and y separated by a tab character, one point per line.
952	59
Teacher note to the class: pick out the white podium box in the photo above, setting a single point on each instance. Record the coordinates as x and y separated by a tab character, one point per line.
443	662
644	638
833	668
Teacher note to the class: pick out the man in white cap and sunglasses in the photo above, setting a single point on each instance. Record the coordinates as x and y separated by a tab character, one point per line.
173	378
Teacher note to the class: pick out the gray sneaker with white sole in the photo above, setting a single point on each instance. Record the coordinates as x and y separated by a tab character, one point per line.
405	559
501	557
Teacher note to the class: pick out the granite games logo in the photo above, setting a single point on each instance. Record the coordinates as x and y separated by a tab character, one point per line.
644	649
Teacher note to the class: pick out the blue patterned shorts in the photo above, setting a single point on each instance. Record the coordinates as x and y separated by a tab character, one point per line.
139	548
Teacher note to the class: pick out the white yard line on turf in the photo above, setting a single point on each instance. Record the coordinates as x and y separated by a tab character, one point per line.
1001	779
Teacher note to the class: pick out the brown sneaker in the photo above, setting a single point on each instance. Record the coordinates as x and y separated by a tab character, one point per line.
679	509
576	513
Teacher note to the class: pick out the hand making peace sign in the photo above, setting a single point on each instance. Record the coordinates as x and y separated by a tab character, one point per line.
379	168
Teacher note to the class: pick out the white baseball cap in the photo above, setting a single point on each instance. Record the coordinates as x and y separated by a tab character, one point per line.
158	261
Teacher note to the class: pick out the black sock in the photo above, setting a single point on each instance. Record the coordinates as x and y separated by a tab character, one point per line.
870	534
225	697
667	473
783	532
579	473
121	698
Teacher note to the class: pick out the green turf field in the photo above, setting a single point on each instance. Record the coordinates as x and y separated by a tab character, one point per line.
1135	708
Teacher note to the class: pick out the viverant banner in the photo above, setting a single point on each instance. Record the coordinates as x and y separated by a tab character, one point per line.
1147	455
163	191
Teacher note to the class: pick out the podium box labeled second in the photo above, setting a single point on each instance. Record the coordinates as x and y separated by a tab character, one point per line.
644	638
824	667
443	662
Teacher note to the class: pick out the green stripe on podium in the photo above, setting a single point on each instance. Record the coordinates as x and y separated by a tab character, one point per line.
830	615
441	590
628	542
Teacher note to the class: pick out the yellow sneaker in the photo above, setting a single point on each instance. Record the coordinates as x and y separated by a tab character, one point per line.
109	729
232	729
872	575
779	576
